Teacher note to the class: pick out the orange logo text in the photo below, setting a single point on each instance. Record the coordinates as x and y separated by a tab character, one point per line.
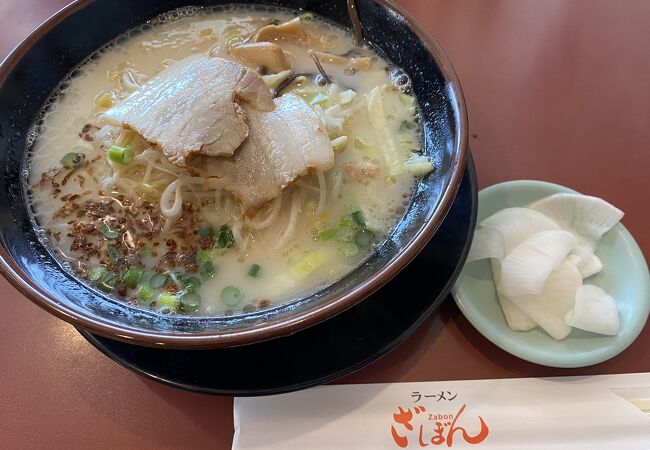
417	425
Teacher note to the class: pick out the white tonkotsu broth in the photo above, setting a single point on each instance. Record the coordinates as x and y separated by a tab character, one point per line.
103	220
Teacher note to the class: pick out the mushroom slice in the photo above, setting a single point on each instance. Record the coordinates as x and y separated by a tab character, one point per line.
353	62
291	30
259	54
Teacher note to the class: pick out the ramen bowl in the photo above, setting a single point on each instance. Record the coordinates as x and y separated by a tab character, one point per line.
37	66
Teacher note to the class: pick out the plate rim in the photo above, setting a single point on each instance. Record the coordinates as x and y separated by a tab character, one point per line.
563	360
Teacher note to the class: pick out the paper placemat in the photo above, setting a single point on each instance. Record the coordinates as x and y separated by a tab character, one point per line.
601	412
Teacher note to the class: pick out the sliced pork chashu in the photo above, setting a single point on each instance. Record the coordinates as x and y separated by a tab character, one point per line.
192	107
284	144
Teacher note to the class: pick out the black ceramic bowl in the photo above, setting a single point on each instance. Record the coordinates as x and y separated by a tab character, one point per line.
33	70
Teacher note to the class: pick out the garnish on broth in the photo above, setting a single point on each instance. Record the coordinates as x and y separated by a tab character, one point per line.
228	160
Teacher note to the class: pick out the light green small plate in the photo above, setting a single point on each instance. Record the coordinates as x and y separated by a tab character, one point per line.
624	276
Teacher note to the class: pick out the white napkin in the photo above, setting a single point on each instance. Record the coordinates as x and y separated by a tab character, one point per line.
533	413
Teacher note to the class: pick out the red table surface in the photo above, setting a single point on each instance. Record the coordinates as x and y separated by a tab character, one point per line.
557	90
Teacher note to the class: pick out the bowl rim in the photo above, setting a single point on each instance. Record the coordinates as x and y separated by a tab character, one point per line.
277	327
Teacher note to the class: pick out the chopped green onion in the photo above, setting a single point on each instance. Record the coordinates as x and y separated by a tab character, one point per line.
207	270
231	296
120	155
363	238
132	277
306	94
108	232
158	280
405	126
307	17
351	232
96	274
176	277
169	300
254	271
345	221
361	144
357	218
345	233
348	249
190	284
203	256
144	251
339	144
190	302
232	35
148	191
346	97
319	99
274	80
406	99
206	232
113	253
418	165
327	235
311	262
107	282
145	293
73	160
225	239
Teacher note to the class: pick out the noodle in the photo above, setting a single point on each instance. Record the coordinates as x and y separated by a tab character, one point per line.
306	186
236	233
291	224
322	187
145	155
273	214
147	173
175	209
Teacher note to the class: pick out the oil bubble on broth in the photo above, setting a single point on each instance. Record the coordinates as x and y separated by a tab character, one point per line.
164	232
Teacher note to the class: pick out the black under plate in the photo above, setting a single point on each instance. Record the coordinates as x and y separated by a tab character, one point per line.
331	349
